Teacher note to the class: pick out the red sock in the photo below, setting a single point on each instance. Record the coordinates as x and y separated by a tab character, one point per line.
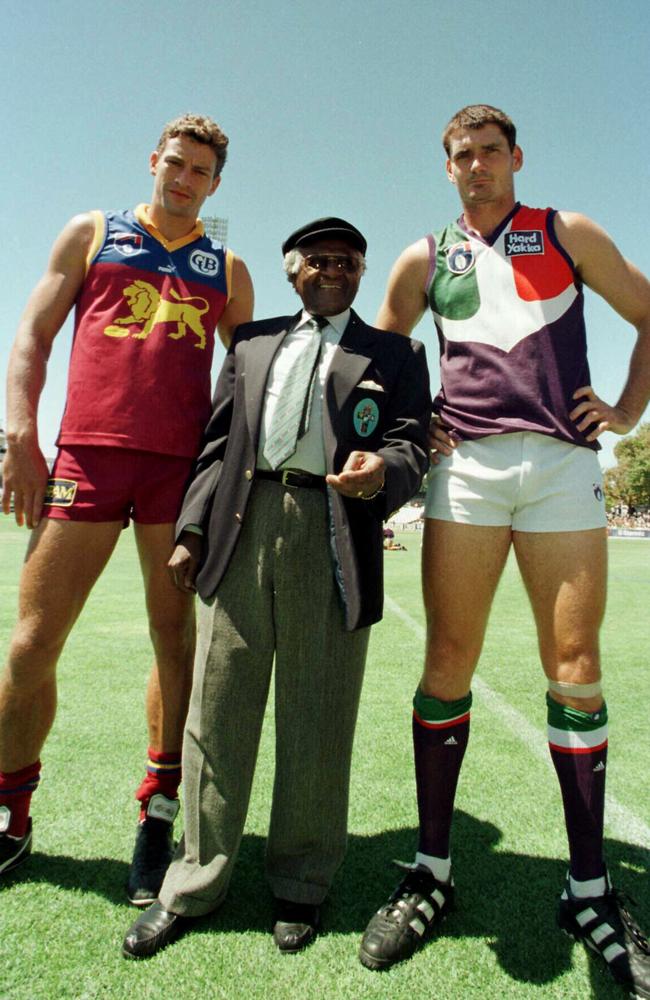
16	788
162	778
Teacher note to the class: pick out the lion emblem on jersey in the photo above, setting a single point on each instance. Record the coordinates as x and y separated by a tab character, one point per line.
148	308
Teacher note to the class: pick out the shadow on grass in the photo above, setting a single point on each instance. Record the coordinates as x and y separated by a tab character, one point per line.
508	899
97	876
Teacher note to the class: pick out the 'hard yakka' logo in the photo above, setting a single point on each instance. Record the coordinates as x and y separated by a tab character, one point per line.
149	308
524	241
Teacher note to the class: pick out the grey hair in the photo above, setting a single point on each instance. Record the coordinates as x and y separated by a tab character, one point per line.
294	259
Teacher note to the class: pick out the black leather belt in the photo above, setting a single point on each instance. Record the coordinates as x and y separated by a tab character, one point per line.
292	478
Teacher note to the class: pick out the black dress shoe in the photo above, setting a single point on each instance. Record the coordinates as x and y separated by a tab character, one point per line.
152	931
296	925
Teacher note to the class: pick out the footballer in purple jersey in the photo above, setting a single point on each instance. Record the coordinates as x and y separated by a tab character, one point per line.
514	441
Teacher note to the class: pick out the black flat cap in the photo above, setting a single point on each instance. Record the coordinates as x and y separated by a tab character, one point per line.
332	228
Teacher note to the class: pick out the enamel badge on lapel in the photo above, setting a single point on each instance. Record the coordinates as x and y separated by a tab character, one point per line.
366	416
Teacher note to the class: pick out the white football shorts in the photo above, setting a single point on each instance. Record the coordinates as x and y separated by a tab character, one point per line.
532	482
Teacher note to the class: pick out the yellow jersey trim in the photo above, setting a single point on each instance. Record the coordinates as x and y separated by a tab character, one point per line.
100	235
141	213
230	258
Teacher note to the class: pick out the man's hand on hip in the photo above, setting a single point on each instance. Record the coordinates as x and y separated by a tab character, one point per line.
440	441
593	416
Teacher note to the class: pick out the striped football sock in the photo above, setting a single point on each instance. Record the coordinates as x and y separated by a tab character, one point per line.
16	788
440	735
162	778
578	745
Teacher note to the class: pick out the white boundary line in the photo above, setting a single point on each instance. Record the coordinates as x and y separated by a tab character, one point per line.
620	820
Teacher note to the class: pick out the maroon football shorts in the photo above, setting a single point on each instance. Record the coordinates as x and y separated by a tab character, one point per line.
98	483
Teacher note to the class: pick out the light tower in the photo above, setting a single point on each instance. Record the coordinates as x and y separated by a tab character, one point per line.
216	228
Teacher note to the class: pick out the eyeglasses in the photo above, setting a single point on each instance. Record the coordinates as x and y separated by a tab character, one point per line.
342	262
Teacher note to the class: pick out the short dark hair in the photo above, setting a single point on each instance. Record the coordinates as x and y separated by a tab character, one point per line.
201	129
476	116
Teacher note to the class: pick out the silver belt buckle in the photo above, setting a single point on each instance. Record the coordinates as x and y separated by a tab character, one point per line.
285	479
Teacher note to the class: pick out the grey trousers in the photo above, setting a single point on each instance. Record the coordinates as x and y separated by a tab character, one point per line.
278	600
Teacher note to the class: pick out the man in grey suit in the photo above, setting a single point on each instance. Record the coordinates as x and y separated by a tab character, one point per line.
319	432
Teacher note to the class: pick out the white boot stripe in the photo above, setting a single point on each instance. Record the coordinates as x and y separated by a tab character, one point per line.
599	934
418	926
586	915
613	951
425	908
439	897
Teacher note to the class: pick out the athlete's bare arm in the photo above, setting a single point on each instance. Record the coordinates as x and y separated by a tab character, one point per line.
402	309
602	267
405	299
241	302
24	470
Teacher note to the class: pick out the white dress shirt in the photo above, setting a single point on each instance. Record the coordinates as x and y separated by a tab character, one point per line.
310	451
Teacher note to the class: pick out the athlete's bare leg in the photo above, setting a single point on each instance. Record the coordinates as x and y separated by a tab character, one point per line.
172	630
461	566
565	574
63	561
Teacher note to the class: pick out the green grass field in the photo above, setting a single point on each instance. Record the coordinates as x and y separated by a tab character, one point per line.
62	920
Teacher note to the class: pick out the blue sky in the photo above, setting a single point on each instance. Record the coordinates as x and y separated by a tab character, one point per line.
331	109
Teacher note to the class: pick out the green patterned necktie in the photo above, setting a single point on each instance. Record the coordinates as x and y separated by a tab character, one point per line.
291	417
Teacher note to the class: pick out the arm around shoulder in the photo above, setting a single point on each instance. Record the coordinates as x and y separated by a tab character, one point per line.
240	304
405	449
207	467
405	300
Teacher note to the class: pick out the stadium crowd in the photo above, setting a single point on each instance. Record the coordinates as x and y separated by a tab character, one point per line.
628	518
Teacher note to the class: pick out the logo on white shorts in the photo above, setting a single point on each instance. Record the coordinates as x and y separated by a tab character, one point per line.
598	492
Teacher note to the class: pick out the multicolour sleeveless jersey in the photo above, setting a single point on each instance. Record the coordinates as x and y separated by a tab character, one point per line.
143	341
509	312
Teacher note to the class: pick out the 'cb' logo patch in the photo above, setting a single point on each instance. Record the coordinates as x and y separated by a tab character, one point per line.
366	416
204	263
